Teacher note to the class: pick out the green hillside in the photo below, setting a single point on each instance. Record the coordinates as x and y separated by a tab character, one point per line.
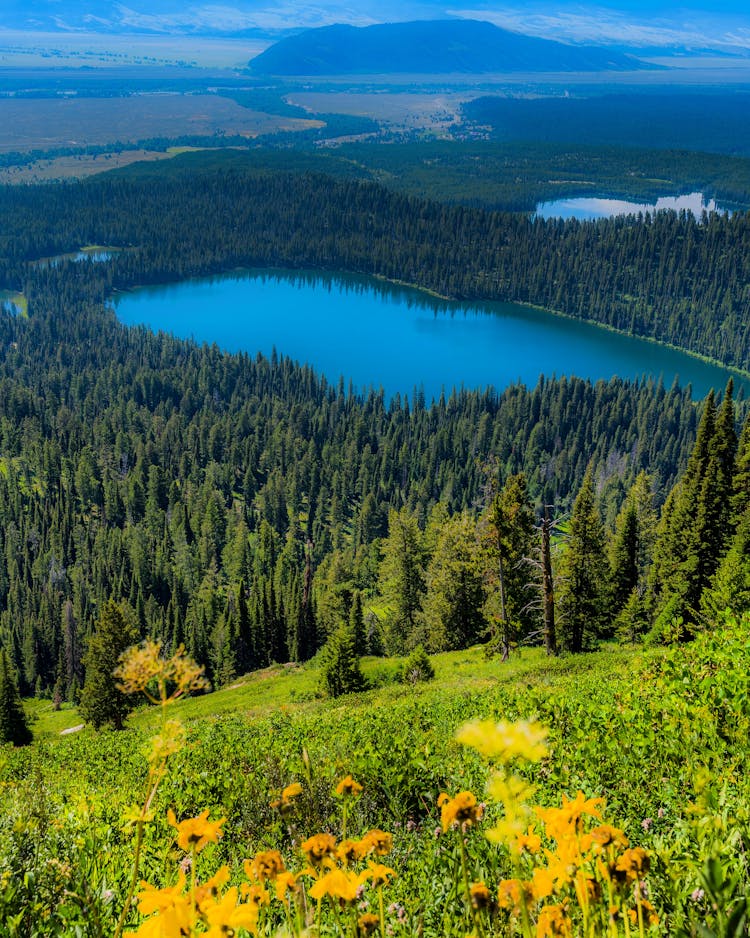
617	720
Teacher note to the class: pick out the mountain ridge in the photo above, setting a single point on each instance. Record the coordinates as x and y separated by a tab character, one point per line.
432	47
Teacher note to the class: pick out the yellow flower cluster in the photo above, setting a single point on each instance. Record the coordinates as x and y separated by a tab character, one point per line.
208	909
461	810
144	669
339	871
285	803
574	874
505	741
195	833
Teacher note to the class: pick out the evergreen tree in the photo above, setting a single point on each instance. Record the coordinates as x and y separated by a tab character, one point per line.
357	624
402	578
417	667
585	591
741	475
508	534
632	545
101	702
340	668
625	573
454	605
13	725
730	585
696	519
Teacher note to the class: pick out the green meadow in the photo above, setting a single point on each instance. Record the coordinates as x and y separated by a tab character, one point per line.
659	735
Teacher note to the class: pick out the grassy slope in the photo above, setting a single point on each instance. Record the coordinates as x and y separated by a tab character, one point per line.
660	734
293	689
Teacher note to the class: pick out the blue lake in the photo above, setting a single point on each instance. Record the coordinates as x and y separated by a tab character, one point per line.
589	208
376	334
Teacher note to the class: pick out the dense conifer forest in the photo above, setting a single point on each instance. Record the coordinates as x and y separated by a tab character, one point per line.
670	277
245	508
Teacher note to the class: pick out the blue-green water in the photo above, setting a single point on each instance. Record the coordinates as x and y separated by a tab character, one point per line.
376	334
586	209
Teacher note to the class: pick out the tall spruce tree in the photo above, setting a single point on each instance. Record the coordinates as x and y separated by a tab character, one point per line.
14	727
630	555
585	590
402	578
741	476
101	701
454	605
508	534
696	520
340	668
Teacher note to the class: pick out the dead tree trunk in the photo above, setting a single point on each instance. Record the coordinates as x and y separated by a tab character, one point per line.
548	586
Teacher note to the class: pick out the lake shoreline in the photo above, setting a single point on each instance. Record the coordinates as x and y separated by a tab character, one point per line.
473	303
491	344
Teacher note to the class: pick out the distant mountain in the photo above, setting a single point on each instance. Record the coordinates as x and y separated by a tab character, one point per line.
430	47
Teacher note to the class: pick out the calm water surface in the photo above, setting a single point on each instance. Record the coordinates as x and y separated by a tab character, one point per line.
379	335
586	209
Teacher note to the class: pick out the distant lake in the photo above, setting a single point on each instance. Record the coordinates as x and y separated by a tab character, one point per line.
379	334
588	208
96	254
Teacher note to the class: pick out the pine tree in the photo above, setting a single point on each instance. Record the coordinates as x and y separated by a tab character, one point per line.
340	668
101	701
730	585
632	545
741	476
696	519
625	573
508	528
454	605
402	578
585	591
13	725
357	624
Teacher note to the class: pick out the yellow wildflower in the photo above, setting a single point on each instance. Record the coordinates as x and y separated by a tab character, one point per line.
172	908
480	896
367	924
348	851
142	666
530	842
512	893
171	923
337	884
378	842
648	912
505	741
210	889
553	922
542	882
253	893
227	916
378	873
632	864
286	802
195	833
562	822
319	846
138	667
291	791
266	865
169	741
601	837
347	786
463	809
285	882
151	899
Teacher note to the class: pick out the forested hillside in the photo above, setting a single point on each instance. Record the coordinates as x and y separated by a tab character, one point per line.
195	484
247	509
